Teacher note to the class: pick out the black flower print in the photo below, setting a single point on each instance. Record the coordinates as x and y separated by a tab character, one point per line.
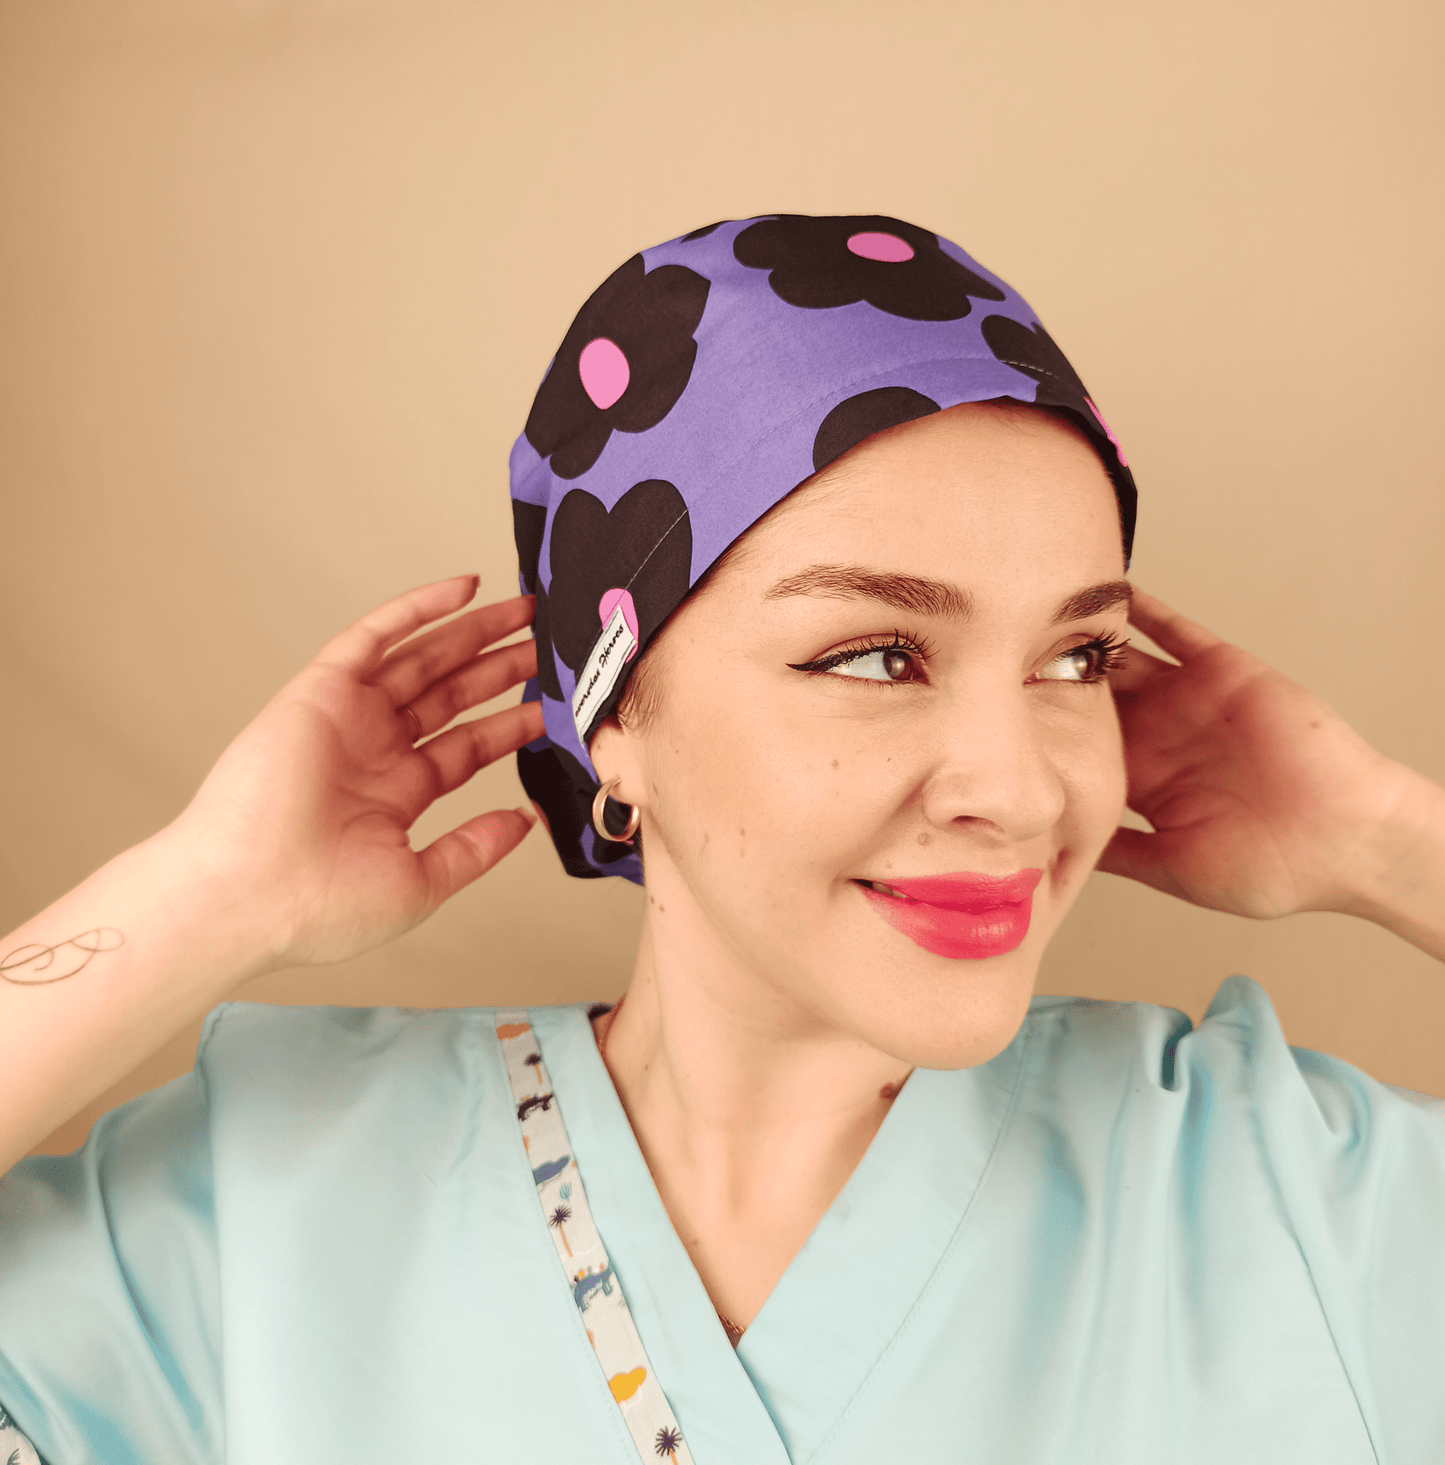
643	546
529	521
703	232
895	267
564	791
547	682
858	417
1034	352
1031	350
621	366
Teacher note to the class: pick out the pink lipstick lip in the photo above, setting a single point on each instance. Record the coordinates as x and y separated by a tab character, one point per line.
962	916
966	891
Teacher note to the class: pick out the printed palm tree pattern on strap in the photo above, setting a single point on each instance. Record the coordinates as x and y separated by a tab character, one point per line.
15	1449
595	1290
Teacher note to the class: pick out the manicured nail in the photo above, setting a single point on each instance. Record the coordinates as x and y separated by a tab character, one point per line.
527	814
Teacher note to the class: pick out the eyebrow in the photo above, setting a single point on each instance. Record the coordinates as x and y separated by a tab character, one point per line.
850	582
931	597
1095	601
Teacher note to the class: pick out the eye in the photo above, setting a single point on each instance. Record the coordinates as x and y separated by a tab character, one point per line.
1090	662
886	664
1078	665
898	660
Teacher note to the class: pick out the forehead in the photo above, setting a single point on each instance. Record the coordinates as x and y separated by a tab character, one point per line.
971	491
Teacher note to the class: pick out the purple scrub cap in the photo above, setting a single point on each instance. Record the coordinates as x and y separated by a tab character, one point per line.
701	383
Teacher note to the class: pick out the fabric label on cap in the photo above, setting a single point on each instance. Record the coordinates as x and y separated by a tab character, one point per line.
613	650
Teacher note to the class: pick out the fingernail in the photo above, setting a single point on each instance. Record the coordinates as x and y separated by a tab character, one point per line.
527	814
540	815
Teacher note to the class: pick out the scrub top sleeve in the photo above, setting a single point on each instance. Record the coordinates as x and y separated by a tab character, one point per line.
1360	1167
109	1313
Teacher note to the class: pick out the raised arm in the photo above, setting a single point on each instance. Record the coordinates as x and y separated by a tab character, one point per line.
293	851
1263	800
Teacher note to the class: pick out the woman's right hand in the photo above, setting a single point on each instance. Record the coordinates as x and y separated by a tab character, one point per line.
304	819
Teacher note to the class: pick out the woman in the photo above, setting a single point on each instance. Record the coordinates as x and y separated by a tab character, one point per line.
826	1185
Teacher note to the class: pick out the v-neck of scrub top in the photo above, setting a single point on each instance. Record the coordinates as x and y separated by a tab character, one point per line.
846	1296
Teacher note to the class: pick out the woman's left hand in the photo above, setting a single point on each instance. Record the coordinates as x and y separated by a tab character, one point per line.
1263	800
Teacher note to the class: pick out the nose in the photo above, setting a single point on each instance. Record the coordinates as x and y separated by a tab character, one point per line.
995	765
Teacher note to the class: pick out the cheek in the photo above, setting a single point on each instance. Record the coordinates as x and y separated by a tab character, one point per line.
746	793
1089	757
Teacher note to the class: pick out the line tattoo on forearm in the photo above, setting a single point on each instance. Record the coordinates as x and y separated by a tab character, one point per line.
35	965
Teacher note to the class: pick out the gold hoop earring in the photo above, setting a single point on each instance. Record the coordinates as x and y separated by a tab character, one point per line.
599	806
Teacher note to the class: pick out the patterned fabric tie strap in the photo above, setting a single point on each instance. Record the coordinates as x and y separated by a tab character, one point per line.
595	1288
15	1449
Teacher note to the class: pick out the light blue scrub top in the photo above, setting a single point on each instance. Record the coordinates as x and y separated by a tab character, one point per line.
1123	1240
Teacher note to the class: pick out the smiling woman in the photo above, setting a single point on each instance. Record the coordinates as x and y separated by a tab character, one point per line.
824	545
908	649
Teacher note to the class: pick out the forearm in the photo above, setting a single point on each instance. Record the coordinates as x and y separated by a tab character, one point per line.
1402	884
107	974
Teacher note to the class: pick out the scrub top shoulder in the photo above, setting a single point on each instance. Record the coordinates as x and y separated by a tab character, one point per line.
1123	1239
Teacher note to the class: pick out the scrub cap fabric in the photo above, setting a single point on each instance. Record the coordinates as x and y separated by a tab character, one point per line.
702	382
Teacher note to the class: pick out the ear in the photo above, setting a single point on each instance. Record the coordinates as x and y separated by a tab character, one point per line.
617	752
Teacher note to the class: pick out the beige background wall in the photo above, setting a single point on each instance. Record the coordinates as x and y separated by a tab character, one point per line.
277	281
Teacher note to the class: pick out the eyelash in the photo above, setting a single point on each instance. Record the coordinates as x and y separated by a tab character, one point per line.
1111	651
1108	648
915	645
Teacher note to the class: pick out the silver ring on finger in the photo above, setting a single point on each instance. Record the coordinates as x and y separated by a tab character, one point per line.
416	733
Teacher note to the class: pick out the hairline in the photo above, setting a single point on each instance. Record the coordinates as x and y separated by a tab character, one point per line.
639	700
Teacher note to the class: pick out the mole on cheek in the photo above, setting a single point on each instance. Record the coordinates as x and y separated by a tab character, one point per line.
835	762
925	838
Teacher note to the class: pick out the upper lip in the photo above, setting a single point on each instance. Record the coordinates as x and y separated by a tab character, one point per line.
966	891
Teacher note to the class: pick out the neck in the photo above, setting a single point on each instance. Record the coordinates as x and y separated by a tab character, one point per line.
751	1112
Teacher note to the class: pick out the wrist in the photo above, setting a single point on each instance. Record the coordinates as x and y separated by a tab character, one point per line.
107	974
214	902
1398	880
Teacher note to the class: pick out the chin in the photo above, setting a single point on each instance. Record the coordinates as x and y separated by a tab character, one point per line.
941	1013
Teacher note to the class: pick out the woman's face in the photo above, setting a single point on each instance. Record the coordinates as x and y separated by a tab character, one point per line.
896	677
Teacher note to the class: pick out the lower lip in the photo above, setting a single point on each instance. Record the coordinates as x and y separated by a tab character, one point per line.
958	934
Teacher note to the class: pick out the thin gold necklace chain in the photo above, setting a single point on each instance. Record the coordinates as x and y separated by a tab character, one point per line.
733	1331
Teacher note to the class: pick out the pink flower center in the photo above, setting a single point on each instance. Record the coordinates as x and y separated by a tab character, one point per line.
604	371
886	248
611	599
